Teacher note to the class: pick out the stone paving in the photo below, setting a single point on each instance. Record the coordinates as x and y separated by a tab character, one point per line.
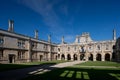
22	73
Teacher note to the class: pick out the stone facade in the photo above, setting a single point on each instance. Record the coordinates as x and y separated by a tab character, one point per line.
17	48
117	50
84	48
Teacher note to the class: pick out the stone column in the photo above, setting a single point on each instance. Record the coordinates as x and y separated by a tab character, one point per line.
86	56
71	56
94	57
49	48
94	53
103	57
78	57
65	56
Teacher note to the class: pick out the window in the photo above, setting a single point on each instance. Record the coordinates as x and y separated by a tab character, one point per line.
59	49
107	47
45	47
34	45
90	48
1	54
21	43
1	40
21	54
52	48
82	49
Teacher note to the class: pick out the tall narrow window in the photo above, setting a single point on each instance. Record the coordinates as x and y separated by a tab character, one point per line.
59	49
21	54
1	40
52	48
45	47
21	43
1	54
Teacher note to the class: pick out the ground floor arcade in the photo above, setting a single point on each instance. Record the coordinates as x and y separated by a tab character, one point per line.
86	56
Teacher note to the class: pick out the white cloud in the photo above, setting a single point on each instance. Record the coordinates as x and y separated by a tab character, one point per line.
46	10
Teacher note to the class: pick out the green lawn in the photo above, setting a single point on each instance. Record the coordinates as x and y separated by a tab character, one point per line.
70	73
5	67
78	73
100	63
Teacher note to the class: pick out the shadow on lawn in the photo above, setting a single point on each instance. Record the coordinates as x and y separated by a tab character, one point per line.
6	67
14	73
77	74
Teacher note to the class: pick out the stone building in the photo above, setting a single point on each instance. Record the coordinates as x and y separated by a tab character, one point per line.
117	50
84	48
16	48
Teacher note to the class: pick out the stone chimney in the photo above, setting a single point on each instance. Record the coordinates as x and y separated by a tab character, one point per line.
49	38
36	34
77	39
11	25
114	34
63	40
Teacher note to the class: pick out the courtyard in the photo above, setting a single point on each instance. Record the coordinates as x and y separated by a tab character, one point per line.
84	71
61	70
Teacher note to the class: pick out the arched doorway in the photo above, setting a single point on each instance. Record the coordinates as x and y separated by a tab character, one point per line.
107	57
82	56
75	57
62	57
58	56
68	57
91	57
98	57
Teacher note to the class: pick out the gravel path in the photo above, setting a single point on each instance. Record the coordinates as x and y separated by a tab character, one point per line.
61	65
22	73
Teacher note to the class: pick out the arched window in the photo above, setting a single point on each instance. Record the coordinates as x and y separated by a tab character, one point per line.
107	57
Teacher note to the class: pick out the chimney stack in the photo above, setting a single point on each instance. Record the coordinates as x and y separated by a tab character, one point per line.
114	34
36	34
49	38
11	25
63	40
77	39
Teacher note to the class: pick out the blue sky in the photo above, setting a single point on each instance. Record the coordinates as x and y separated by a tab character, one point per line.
59	18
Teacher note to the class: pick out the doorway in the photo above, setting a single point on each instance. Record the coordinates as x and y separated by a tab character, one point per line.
11	58
41	57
